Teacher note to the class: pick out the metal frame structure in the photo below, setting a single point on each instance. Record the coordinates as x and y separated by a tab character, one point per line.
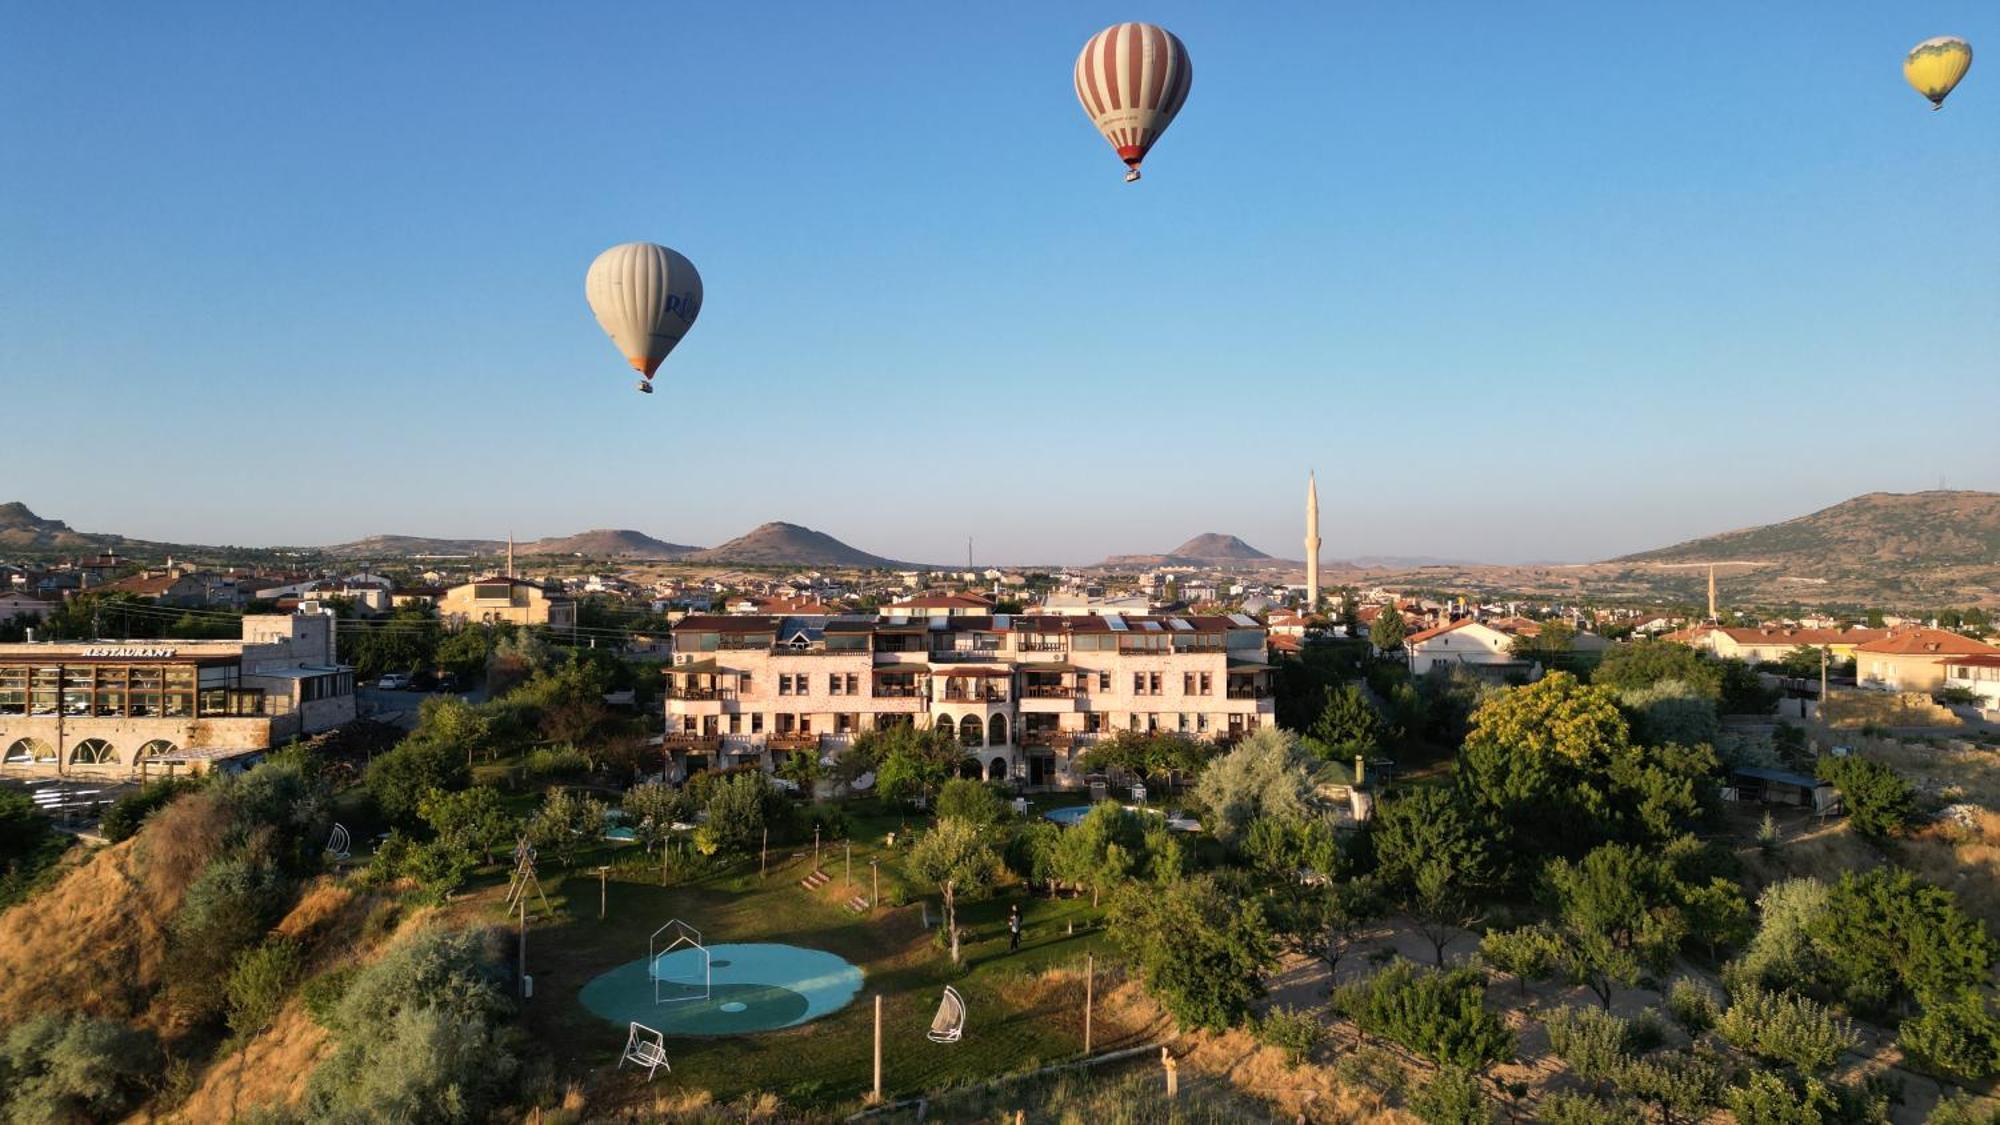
676	935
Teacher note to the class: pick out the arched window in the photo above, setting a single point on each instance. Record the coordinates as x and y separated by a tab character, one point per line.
996	731
996	770
969	769
971	730
28	750
154	749
92	752
944	723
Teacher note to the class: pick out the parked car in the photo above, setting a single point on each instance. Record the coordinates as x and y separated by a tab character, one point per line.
393	681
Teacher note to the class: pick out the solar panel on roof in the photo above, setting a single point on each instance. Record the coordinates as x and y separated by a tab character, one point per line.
1149	625
1003	621
1179	624
1239	619
1114	623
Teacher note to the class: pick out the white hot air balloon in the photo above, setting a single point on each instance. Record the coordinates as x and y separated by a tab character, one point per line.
646	298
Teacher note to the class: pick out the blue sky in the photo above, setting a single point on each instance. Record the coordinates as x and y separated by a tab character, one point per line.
1553	284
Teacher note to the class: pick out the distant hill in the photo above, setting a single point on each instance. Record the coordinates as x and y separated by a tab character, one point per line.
23	530
788	544
1881	529
1217	547
607	543
394	546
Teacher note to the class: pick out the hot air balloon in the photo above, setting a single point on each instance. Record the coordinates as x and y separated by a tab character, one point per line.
1132	78
646	298
1934	66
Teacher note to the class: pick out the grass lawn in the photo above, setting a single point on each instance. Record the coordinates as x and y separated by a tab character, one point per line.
1014	1021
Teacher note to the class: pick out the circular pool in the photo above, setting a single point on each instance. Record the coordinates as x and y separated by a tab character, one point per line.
758	986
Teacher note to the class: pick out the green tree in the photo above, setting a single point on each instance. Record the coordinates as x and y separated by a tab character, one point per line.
1801	662
1766	1098
1617	916
1682	1087
1432	856
402	778
970	800
473	824
1348	725
737	807
1780	1027
1879	802
260	981
566	823
1103	848
227	909
1782	953
1887	937
1439	1014
1265	775
1326	918
1451	1096
1527	953
1033	853
1957	1035
1389	629
955	859
909	764
1597	1045
1671	712
1643	663
1203	950
801	768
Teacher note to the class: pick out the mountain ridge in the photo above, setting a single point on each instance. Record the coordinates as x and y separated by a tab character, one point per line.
778	543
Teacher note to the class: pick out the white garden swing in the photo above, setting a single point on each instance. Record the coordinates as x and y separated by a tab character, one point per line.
948	1026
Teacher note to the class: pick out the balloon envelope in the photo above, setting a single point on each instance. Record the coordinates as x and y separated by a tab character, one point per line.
1132	78
646	298
1934	66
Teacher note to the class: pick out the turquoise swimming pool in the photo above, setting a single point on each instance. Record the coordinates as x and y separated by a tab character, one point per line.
1068	815
754	986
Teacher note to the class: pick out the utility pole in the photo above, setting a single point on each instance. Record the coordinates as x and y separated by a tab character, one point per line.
1089	980
878	1049
849	845
815	847
875	899
524	946
1822	683
764	853
603	891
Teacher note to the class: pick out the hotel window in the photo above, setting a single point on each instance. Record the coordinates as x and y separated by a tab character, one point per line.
1201	721
1104	681
736	724
1138	683
833	683
843	723
1093	722
757	722
784	683
13	691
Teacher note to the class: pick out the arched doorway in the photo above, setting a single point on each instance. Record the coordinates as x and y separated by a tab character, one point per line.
996	770
969	769
996	731
93	752
971	730
943	723
154	749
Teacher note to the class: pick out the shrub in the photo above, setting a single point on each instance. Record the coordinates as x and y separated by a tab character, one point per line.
227	909
260	982
1964	1109
556	761
1595	1043
1956	1035
1565	1108
1202	950
127	813
1781	954
736	808
420	1036
400	779
323	993
1781	1027
565	823
70	1067
1451	1097
1439	1014
1879	802
1692	1005
1294	1031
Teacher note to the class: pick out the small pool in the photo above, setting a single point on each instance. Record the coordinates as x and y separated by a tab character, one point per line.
1067	816
758	986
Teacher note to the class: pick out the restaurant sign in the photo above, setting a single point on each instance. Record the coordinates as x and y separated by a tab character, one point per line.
131	653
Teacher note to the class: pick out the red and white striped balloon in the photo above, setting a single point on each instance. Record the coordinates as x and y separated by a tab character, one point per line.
1132	78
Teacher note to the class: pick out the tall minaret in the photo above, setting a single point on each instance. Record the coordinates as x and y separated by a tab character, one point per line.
510	554
1312	543
1711	593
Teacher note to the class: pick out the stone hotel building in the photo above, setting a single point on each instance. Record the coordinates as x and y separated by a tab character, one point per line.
117	709
1023	693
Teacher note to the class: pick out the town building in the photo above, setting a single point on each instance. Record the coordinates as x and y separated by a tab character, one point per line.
138	708
1979	674
497	599
1025	694
15	606
1763	643
1912	658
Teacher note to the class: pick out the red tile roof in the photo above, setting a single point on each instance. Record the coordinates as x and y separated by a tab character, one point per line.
1926	642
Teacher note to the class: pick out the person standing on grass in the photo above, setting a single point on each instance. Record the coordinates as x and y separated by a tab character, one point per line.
1014	928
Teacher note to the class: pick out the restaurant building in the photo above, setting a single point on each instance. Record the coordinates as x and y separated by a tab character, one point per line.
119	709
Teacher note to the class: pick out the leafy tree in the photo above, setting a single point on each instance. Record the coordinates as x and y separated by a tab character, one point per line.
1104	847
1887	937
1451	1096
1693	1006
909	764
1431	854
1742	692
1617	918
71	1067
1879	802
970	800
1781	1027
1552	646
474	823
122	820
464	652
1202	949
653	808
737	808
956	860
1265	775
1596	1044
1671	712
1766	1098
1964	1109
227	909
1154	758
1561	1107
801	768
1326	918
1682	1087
1801	662
565	823
1528	953
1440	1014
402	778
1389	630
420	1035
1033	851
1292	1030
1957	1035
1782	953
1348	725
1643	663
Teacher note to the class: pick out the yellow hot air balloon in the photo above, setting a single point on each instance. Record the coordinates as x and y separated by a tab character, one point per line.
1934	66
